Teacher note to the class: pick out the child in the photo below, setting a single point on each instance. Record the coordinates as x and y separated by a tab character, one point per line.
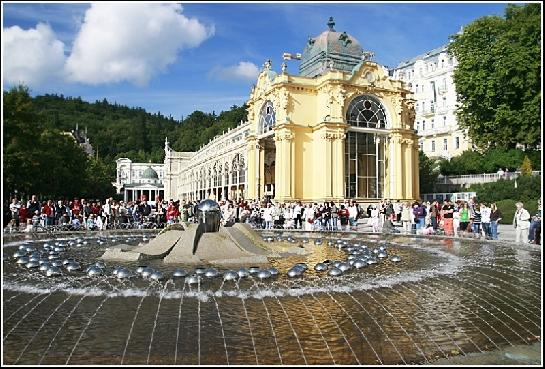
36	220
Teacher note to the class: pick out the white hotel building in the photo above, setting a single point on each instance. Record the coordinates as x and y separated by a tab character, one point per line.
429	77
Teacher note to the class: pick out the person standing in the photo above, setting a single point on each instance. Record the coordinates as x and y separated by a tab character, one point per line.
464	218
485	220
406	217
375	218
268	216
33	205
534	234
15	208
308	214
434	214
495	217
419	211
344	216
476	226
521	222
297	215
334	217
353	214
49	211
448	215
456	218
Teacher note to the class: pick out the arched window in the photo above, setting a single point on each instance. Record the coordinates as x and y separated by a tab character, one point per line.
366	111
234	170
226	173
241	171
267	117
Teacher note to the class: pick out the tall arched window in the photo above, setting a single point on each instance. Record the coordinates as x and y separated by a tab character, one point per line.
234	170
267	117
366	111
226	173
241	171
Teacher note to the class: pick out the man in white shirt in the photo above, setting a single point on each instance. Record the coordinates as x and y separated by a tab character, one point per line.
268	216
297	213
353	214
485	221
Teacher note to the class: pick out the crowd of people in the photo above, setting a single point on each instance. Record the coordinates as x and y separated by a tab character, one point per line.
459	219
82	214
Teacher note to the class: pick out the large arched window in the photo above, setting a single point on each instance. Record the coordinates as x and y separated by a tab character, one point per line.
267	117
241	171
367	112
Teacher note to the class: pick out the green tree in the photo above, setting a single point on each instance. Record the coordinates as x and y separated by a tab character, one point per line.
427	173
99	180
526	167
20	157
498	78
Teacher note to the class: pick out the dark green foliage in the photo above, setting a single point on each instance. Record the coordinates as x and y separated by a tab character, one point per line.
498	78
508	208
427	173
473	162
528	188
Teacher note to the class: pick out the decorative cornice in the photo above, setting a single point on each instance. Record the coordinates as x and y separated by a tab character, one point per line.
331	136
283	136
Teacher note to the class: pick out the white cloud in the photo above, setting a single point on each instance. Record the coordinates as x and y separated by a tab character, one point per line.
244	70
131	42
33	56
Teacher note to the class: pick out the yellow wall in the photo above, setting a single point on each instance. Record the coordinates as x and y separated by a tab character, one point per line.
310	133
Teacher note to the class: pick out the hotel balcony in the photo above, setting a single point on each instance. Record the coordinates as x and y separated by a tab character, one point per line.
428	112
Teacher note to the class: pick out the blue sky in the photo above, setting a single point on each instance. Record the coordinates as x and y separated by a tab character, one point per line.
202	73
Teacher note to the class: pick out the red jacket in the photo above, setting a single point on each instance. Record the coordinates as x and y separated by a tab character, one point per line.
48	210
23	214
172	212
343	213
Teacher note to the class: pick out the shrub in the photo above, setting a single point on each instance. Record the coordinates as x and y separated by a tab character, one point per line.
508	208
528	188
472	162
526	167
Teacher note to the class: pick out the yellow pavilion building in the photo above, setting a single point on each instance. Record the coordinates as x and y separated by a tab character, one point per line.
341	128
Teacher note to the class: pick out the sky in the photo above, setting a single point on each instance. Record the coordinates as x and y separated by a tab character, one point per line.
177	58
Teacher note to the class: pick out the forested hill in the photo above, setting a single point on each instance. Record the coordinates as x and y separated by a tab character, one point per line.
120	131
38	158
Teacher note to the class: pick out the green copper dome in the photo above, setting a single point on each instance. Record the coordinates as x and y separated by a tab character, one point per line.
149	173
331	49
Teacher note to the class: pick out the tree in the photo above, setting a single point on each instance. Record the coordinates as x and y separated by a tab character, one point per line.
498	77
427	173
526	167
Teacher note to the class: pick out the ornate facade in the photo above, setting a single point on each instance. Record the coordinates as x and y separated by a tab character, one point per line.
137	180
342	128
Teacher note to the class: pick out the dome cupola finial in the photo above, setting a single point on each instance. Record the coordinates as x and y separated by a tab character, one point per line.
331	24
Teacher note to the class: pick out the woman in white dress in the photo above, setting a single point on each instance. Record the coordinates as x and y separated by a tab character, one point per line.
308	215
375	219
268	216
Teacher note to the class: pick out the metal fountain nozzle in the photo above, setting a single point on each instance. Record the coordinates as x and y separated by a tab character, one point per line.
209	215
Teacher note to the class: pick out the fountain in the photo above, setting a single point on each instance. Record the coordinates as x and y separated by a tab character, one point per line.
340	299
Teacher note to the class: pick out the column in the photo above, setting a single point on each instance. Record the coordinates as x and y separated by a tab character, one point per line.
392	168
337	167
284	163
399	188
252	165
261	171
416	177
408	155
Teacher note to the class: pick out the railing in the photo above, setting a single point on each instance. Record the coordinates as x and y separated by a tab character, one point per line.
480	178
